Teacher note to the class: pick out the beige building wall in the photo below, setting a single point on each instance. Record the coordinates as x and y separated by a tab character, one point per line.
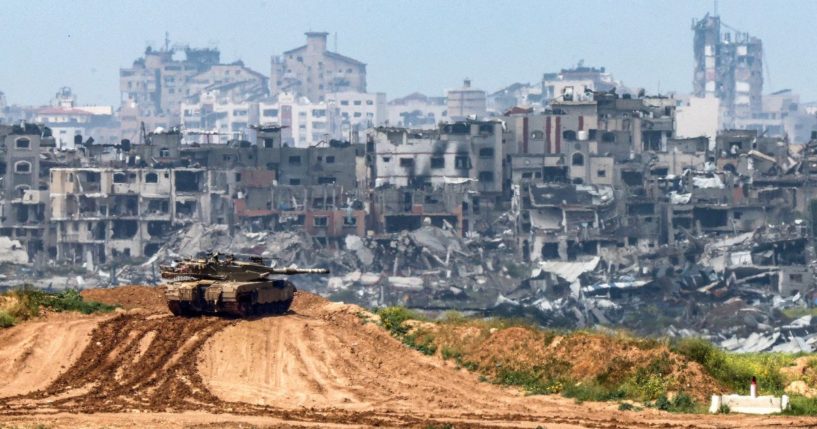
698	116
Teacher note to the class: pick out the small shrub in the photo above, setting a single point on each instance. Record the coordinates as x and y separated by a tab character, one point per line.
394	318
662	403
683	403
724	409
696	349
450	353
515	378
471	366
6	320
625	406
592	392
651	381
421	342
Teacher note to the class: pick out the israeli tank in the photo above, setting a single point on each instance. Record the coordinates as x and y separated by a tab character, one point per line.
224	285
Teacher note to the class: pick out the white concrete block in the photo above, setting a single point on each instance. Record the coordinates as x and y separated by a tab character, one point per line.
716	404
749	405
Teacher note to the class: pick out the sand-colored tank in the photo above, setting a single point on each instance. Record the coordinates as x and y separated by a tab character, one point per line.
224	285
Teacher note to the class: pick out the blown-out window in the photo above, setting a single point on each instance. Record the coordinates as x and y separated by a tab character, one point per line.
22	167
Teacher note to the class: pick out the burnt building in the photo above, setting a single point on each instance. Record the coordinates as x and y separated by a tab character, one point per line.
466	150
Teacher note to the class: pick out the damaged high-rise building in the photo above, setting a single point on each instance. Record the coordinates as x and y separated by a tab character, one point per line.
155	86
729	66
314	71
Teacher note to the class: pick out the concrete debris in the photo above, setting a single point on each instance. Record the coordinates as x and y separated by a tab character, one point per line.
355	244
707	182
570	271
11	251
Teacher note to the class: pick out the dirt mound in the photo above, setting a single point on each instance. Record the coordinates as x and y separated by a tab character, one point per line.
128	297
582	357
135	361
34	354
321	364
324	353
305	302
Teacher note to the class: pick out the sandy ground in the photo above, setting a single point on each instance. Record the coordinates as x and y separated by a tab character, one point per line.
319	366
34	354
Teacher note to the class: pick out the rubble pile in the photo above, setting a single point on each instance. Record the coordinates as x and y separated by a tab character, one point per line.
742	291
430	267
747	292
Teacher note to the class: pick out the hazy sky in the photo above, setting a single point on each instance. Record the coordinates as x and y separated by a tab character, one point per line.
414	45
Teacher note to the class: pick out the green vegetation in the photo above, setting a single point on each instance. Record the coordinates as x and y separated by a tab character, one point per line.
802	406
26	303
422	341
531	381
681	403
394	320
6	319
651	383
736	370
592	392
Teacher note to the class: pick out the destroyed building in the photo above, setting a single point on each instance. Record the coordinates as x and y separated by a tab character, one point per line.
97	204
728	66
467	150
592	211
25	209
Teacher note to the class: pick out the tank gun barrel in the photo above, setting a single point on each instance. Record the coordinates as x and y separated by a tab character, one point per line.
277	270
292	271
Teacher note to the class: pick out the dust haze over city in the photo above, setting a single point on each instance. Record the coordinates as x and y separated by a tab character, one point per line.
408	214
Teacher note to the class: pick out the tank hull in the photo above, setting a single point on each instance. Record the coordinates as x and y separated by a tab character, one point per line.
229	298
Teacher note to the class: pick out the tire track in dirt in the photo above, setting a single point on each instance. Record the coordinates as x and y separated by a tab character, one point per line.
135	362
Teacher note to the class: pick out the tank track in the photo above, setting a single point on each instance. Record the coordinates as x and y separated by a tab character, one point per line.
236	309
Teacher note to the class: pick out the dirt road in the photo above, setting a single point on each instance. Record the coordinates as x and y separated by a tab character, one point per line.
321	365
